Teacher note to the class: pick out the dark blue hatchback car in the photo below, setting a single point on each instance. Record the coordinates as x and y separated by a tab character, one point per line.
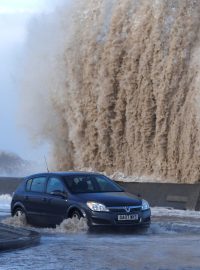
49	198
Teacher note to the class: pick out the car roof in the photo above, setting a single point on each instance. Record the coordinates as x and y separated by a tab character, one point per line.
68	173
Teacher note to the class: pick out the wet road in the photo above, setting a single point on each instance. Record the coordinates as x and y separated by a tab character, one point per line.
107	252
172	243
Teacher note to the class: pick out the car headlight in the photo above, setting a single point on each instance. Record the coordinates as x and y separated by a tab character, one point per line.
94	206
145	205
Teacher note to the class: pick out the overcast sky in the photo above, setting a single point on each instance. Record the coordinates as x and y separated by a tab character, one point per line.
14	18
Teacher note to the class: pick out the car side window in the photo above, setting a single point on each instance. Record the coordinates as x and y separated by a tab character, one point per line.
54	184
90	185
38	184
81	184
28	185
104	184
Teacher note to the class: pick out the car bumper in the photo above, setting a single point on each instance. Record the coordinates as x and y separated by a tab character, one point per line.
111	219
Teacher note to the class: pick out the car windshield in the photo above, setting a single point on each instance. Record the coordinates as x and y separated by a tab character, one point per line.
91	184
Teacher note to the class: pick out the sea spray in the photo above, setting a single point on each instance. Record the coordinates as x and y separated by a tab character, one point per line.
5	200
113	85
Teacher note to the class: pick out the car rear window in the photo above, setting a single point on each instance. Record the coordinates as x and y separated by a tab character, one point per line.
38	184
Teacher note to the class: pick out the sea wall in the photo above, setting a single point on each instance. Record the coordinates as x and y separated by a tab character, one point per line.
179	196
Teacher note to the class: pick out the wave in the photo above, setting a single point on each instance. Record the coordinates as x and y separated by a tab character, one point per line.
117	87
5	200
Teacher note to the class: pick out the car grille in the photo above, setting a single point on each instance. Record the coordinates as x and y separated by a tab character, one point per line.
125	209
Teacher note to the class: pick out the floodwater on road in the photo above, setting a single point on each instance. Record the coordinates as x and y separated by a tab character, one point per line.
171	243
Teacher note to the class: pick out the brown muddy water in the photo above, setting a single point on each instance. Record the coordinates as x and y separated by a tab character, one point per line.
117	88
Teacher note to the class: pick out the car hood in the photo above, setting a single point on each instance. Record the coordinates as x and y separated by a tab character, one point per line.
111	198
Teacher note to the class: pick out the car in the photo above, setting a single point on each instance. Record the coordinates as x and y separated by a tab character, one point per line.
46	199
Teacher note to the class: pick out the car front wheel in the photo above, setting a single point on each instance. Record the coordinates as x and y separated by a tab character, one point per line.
76	214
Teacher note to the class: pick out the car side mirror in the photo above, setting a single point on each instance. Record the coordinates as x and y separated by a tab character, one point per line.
59	193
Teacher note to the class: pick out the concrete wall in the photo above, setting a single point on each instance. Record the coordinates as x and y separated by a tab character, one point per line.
180	196
9	184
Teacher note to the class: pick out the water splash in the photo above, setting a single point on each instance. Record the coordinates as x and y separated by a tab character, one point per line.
117	87
5	201
180	224
68	226
16	221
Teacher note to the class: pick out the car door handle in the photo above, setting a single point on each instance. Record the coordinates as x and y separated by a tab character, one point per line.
26	198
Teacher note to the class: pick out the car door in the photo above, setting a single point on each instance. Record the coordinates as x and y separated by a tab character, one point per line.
57	200
35	201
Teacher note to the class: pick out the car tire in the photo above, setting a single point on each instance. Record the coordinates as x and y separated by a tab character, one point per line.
76	214
19	212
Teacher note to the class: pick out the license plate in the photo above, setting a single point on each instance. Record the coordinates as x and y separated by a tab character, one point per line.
127	217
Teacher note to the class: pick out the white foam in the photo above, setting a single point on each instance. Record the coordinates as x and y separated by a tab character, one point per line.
162	211
69	225
5	201
17	221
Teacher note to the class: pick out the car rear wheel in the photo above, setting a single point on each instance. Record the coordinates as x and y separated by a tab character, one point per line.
19	212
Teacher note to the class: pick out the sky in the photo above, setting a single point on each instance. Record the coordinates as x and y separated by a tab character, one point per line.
14	18
20	6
